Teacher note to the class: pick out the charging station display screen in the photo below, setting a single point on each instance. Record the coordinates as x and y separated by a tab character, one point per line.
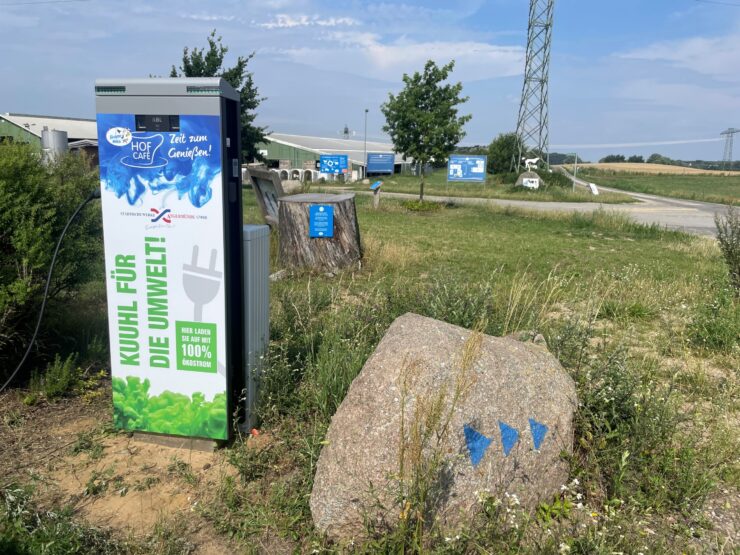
162	195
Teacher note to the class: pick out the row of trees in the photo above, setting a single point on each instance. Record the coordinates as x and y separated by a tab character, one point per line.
620	158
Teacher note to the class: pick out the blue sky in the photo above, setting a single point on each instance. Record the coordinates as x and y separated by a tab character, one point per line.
628	71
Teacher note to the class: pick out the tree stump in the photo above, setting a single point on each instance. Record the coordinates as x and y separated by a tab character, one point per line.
339	244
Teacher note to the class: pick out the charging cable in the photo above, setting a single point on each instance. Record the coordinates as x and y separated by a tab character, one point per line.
93	195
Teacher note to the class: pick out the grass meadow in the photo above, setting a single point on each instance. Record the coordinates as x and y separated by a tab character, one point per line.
643	319
495	187
723	189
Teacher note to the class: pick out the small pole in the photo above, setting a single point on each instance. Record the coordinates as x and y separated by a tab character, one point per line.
365	160
375	188
575	171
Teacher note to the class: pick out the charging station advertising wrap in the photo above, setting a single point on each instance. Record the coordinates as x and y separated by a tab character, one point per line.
162	196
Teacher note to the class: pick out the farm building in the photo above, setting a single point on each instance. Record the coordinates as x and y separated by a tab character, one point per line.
81	133
301	152
27	128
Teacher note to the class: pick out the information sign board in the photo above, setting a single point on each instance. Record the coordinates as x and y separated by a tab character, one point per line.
380	162
466	168
333	163
320	220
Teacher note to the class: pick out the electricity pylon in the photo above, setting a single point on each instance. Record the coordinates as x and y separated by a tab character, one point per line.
533	125
729	135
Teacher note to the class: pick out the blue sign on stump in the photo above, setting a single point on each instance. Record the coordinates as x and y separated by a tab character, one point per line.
333	163
321	220
380	162
466	168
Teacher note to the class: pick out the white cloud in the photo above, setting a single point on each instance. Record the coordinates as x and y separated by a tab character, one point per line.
208	17
285	21
272	4
366	54
717	57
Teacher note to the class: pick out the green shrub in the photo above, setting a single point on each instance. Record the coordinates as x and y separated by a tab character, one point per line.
555	179
629	310
60	378
35	203
421	206
506	178
716	325
629	446
728	235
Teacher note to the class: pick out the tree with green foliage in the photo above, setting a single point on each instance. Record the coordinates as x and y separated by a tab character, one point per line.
636	160
202	62
613	159
659	159
557	158
502	150
422	119
35	203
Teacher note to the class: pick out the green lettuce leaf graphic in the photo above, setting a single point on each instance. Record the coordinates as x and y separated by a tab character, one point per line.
167	413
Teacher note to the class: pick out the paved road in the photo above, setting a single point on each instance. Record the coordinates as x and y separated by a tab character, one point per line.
684	215
690	216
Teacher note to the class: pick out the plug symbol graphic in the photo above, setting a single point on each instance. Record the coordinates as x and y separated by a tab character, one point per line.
201	283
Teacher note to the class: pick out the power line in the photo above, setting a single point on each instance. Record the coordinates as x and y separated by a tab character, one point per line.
635	145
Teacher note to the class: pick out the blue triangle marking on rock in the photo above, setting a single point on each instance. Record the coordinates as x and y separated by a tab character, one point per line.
538	430
509	437
477	444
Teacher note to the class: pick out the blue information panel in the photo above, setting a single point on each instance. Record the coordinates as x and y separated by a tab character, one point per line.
380	162
466	168
321	220
333	163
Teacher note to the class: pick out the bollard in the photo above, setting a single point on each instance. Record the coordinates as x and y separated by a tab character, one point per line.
375	188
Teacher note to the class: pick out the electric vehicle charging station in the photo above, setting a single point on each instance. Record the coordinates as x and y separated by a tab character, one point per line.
171	193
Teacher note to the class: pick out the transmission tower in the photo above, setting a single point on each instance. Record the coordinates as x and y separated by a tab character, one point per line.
533	125
729	136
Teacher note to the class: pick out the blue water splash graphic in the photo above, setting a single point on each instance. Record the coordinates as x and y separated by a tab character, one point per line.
186	162
509	437
477	444
192	179
539	431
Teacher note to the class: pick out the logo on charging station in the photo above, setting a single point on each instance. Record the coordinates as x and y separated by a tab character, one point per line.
119	136
163	215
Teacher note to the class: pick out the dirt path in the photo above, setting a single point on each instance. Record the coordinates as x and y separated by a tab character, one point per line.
72	456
